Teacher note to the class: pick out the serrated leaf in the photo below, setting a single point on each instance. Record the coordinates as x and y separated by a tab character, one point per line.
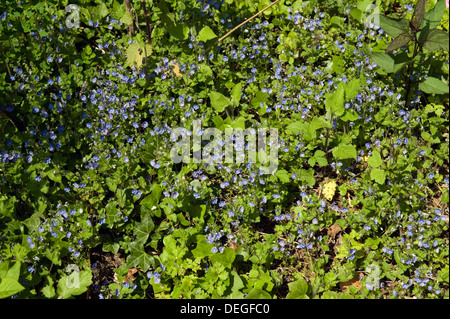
219	101
236	93
398	42
206	34
374	159
126	18
344	151
318	123
335	101
282	175
378	175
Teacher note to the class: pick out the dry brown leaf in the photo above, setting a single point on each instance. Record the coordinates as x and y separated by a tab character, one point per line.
333	230
355	282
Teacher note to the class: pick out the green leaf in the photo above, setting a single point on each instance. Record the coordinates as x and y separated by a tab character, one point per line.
256	293
344	151
297	127
318	123
393	27
351	89
434	16
74	284
398	42
225	258
374	159
378	175
335	101
437	39
179	31
136	53
219	101
206	34
138	257
112	184
150	202
9	287
126	18
282	175
418	14
298	289
389	62
143	229
203	248
433	85
236	93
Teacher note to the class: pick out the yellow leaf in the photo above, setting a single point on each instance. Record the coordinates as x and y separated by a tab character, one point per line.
329	189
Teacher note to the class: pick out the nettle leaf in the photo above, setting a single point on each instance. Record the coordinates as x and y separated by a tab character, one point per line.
219	101
393	27
434	86
378	175
402	40
126	18
236	93
282	175
374	159
437	39
418	15
352	89
335	101
206	34
344	151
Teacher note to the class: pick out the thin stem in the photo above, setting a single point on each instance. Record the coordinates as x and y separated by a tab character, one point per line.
149	33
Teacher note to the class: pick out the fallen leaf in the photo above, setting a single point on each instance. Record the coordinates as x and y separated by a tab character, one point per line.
333	230
355	282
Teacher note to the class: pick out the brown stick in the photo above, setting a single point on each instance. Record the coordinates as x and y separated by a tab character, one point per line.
149	31
130	11
241	24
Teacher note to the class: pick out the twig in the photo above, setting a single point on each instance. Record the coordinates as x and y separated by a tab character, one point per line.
241	24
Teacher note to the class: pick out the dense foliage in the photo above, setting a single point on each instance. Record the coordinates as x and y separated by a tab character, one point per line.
92	206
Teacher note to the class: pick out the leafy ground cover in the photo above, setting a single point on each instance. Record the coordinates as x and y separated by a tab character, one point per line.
93	206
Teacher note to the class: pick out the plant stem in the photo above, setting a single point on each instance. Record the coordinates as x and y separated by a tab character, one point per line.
149	33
